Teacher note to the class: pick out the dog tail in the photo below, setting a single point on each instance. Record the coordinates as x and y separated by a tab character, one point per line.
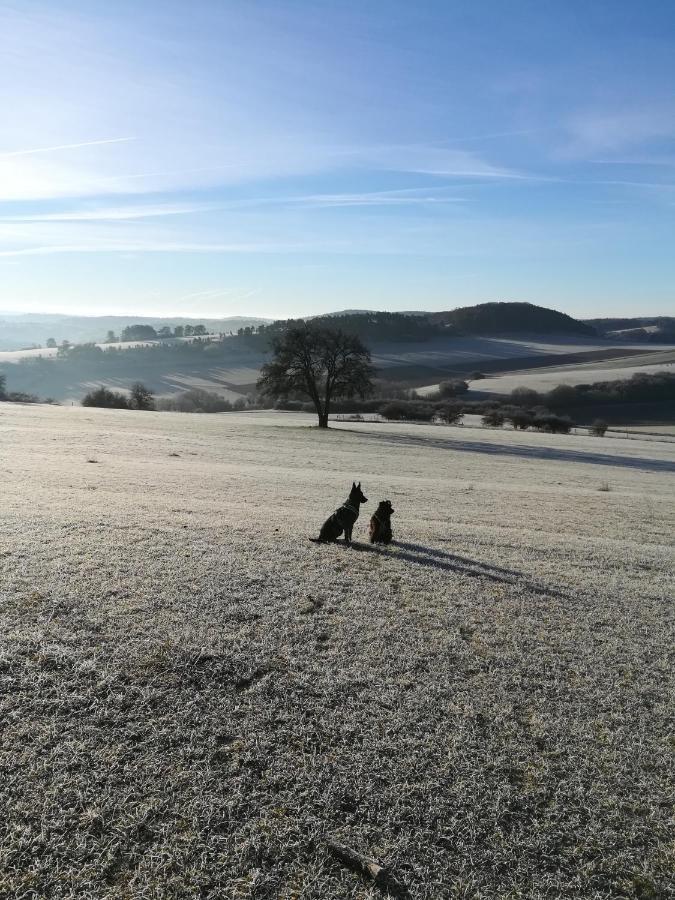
317	541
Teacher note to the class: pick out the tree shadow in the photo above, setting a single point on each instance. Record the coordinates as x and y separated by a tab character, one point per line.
527	452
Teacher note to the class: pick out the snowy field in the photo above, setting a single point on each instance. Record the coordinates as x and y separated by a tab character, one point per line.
456	351
441	351
194	696
547	379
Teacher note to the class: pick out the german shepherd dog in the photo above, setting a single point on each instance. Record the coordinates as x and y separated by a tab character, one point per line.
379	530
343	518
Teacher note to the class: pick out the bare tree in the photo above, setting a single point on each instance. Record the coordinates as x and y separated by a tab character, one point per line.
141	397
320	363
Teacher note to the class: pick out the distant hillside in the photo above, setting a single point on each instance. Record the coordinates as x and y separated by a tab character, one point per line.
372	327
508	319
18	331
27	329
511	318
370	312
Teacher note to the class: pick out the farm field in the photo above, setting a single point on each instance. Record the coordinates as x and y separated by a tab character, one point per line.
665	430
545	378
194	696
231	369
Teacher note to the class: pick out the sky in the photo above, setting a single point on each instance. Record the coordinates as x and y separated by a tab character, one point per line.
288	157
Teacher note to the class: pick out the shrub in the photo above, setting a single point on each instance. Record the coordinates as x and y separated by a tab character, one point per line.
395	411
408	410
562	395
522	396
21	397
450	413
105	398
452	388
520	419
195	400
290	405
141	397
599	427
138	333
420	411
648	387
493	419
552	423
89	351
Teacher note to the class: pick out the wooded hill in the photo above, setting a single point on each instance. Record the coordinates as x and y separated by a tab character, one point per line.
510	318
496	319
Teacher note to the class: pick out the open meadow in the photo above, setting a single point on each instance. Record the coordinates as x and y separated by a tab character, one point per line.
194	697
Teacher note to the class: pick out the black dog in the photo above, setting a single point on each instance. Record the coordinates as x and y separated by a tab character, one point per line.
380	524
343	518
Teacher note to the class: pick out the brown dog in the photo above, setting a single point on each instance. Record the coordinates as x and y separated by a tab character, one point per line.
380	524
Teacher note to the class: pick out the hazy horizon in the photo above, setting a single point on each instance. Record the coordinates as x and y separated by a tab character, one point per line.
292	158
254	315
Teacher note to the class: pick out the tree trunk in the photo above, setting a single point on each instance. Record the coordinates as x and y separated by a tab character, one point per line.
323	420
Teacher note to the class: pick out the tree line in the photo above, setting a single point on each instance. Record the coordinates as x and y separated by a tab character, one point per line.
139	397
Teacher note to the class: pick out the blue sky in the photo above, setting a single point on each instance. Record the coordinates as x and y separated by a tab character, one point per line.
286	158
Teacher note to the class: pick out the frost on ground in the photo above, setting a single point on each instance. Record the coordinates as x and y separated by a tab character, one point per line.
546	379
193	696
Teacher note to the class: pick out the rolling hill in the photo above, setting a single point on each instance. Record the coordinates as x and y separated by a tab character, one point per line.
418	349
30	329
511	318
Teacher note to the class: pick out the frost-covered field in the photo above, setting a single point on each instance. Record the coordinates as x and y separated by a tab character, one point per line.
194	696
231	369
547	379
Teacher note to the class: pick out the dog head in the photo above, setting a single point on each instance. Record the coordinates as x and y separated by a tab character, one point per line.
385	509
356	495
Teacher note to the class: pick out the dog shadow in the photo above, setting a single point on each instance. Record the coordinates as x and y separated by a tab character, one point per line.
448	562
453	558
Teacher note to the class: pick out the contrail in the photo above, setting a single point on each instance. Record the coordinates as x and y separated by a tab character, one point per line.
67	147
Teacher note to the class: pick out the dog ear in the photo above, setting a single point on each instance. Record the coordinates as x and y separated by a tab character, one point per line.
359	484
353	484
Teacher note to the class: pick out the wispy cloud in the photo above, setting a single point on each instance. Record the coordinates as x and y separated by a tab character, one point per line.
658	185
640	160
419	196
490	136
112	214
129	245
432	159
605	132
59	147
396	197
